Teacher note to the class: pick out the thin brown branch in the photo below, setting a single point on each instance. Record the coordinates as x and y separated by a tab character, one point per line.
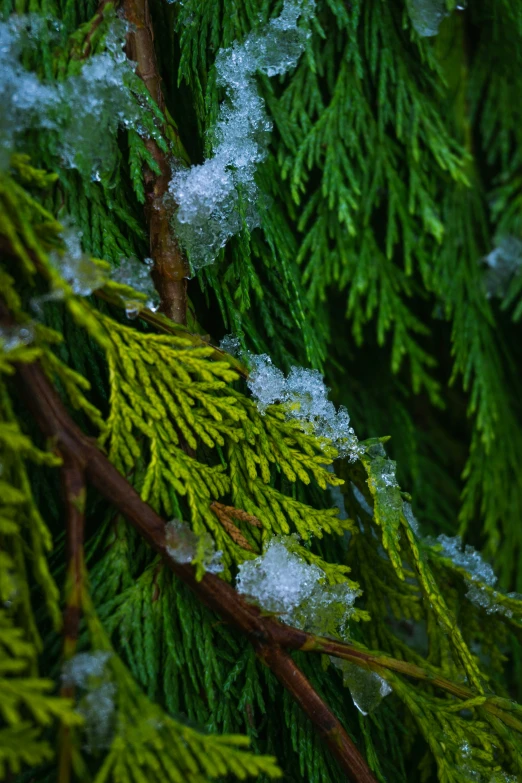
326	724
170	270
73	479
54	421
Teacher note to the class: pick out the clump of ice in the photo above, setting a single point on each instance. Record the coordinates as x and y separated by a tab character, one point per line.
480	574
136	274
367	688
12	337
306	399
467	558
24	99
266	381
89	672
231	345
280	581
427	16
219	197
503	263
76	267
183	546
83	112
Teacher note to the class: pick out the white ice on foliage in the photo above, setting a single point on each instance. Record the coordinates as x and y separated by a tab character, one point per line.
89	672
479	572
137	275
12	337
85	276
219	197
84	111
183	545
231	345
75	266
427	15
367	688
280	581
306	399
503	263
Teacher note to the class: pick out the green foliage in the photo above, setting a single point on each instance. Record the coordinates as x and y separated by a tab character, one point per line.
393	167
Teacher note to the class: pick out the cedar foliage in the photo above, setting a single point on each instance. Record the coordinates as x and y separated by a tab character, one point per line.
393	170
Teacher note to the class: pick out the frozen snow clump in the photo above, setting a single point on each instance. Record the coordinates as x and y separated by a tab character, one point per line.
480	574
218	198
280	581
467	558
76	267
266	381
183	546
12	337
83	112
306	399
89	672
231	345
427	15
366	688
24	99
137	275
503	263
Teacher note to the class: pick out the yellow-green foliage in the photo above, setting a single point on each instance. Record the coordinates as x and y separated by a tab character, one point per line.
169	397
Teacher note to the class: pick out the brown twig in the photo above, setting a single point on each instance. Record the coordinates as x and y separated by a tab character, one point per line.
54	421
170	270
73	479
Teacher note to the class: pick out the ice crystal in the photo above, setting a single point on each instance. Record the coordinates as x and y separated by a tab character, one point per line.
82	113
480	575
231	345
467	558
503	263
266	381
280	581
427	15
89	673
183	546
25	101
12	337
306	399
76	267
366	687
218	198
136	274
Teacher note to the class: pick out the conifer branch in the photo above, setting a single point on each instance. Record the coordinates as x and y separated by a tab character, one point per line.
171	269
264	632
54	421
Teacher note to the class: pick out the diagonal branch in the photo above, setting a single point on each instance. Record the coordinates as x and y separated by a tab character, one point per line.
262	631
170	270
54	421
